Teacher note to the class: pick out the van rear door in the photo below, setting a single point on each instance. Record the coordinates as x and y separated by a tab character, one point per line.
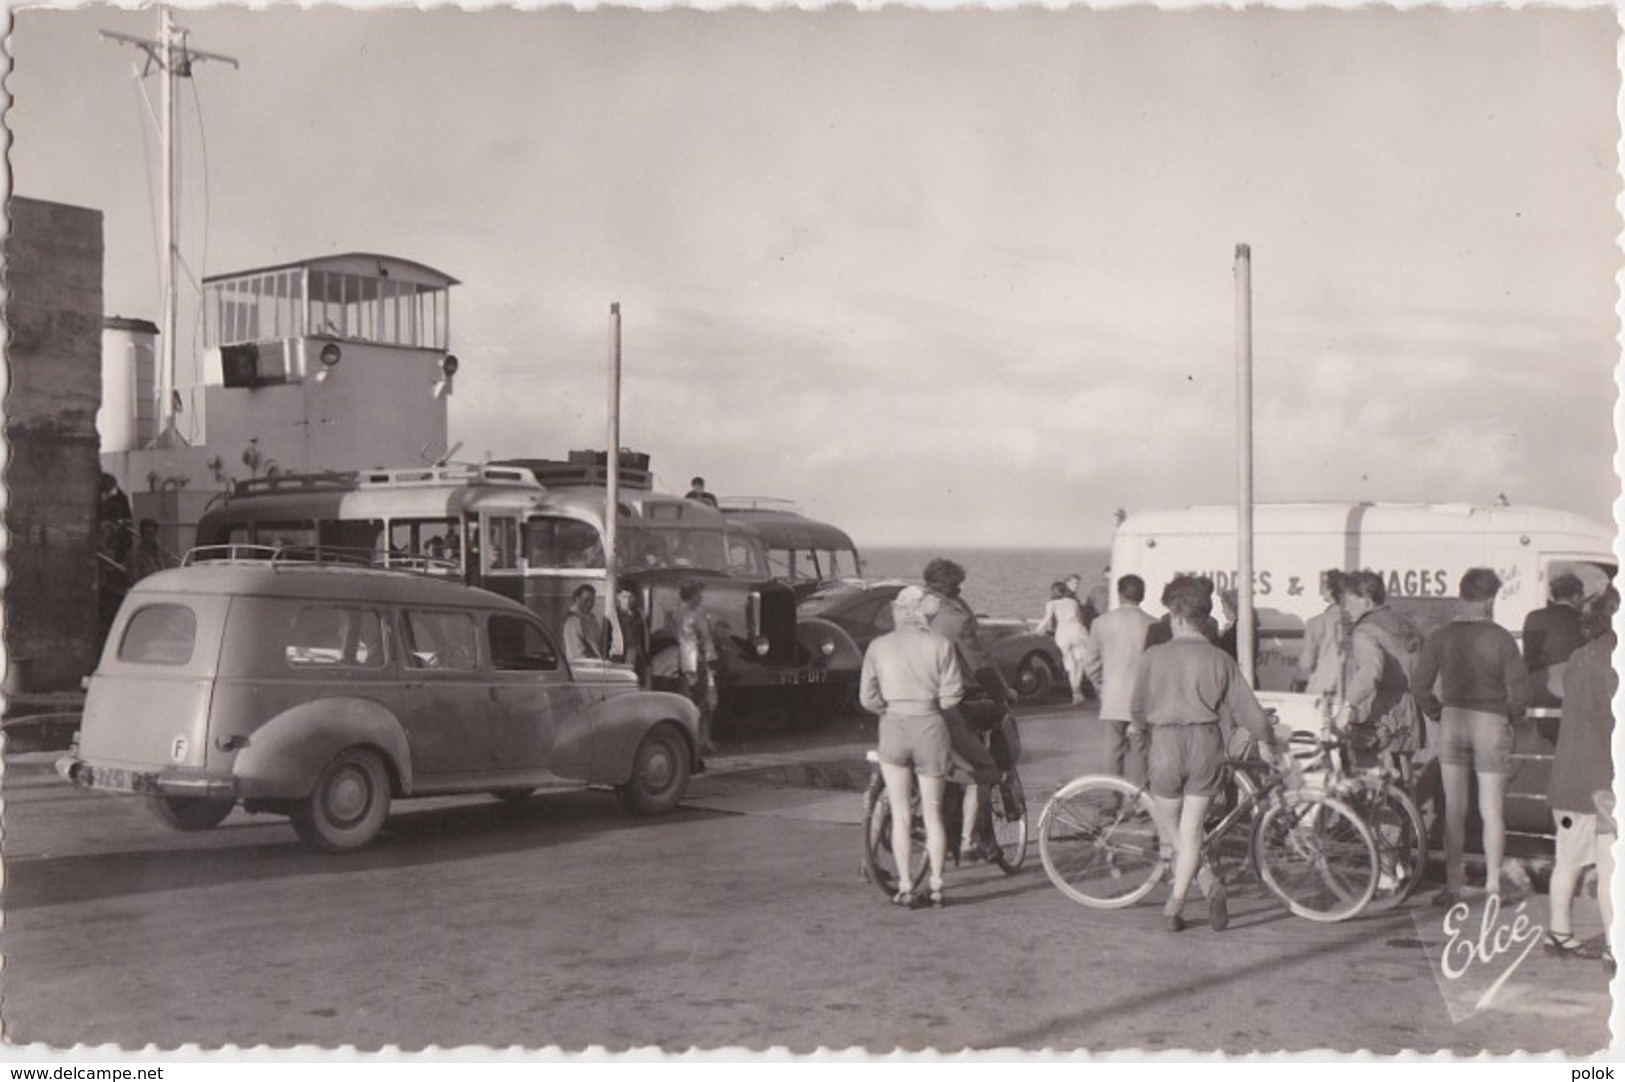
147	707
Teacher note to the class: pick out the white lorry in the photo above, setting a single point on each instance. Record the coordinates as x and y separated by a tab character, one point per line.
1421	550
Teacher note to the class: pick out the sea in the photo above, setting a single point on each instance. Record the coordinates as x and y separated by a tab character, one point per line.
999	582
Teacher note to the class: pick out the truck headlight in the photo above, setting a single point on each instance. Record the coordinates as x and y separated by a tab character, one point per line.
827	647
762	646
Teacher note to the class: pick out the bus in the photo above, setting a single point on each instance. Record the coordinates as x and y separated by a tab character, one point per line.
534	530
801	552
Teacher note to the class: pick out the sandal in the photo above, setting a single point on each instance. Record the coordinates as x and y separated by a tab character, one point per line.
904	898
937	900
1565	945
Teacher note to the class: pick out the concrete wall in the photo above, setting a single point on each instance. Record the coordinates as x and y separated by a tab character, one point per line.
54	317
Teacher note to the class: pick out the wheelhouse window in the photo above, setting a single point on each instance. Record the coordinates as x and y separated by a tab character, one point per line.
518	645
335	636
159	635
302	302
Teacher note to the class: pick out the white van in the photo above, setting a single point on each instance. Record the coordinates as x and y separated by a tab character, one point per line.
1421	550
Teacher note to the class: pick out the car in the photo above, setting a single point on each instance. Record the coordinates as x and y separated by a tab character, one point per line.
323	691
1031	663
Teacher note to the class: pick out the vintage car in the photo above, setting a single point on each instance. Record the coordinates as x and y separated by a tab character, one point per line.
1031	663
321	692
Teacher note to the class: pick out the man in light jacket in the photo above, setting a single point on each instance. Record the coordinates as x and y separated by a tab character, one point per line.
1111	657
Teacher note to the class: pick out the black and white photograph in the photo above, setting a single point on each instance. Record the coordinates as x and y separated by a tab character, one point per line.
1058	534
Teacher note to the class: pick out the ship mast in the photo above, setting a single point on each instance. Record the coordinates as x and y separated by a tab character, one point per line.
173	58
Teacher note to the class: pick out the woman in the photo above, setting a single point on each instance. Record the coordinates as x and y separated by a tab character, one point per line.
909	677
1063	618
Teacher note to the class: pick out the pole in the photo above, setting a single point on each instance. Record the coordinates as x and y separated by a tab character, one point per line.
173	58
1244	459
166	373
613	487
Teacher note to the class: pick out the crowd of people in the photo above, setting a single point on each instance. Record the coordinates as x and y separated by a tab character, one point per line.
1172	690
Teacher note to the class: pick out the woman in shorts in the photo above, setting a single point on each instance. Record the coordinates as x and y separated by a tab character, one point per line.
909	677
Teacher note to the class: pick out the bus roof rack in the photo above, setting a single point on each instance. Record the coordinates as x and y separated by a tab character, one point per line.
455	473
323	480
320	555
587	468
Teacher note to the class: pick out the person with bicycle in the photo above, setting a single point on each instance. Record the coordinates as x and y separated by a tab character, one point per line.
1185	690
911	678
1378	712
972	760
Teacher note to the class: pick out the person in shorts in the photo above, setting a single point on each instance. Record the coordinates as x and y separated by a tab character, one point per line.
971	760
910	676
1184	690
1471	678
1583	766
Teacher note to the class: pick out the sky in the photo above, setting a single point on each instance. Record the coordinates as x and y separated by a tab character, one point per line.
957	277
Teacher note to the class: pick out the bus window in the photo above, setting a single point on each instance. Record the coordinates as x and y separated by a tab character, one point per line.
504	547
360	535
745	559
696	548
286	534
636	550
415	536
562	543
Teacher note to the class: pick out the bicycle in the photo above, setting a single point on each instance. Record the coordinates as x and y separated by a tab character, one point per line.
1381	793
1099	844
1003	818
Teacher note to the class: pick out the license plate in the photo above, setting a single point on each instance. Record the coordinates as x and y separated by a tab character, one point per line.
112	777
809	676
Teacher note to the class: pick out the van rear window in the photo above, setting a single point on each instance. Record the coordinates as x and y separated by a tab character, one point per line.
159	635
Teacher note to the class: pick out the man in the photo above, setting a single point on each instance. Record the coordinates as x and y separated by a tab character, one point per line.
581	633
1583	767
1111	657
696	491
629	638
1550	635
910	677
955	622
1320	662
1378	708
1099	599
1472	679
146	557
1186	690
113	510
697	657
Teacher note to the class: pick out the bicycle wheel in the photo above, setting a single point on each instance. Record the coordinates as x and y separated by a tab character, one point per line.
880	864
1316	855
1242	781
1099	843
1009	815
1400	836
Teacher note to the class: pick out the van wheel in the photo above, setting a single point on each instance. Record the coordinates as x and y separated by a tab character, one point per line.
190	813
660	772
1034	679
349	804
